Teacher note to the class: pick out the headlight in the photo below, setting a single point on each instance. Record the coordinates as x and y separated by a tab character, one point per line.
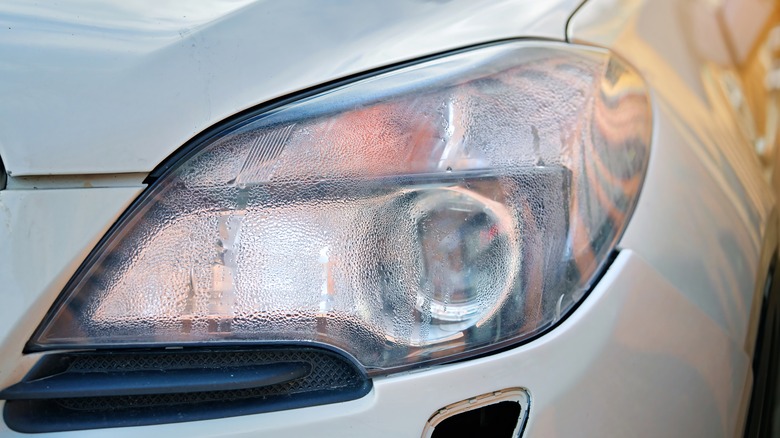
440	210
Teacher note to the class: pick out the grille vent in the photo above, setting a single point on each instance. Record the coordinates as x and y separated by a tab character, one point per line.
288	378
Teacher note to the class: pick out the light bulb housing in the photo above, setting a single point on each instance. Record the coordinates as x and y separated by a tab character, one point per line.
445	208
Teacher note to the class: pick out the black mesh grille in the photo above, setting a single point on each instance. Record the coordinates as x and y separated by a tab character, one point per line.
329	373
205	359
332	378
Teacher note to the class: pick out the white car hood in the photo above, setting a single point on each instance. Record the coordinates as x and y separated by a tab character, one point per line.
93	87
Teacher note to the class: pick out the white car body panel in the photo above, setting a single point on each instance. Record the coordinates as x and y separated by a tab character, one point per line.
661	347
115	87
46	235
704	193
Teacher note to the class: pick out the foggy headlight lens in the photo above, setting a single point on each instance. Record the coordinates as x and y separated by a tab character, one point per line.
443	209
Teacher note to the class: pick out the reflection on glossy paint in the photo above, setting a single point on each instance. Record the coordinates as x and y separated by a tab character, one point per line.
752	85
704	193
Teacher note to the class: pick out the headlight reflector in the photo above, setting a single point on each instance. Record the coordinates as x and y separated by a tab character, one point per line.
439	210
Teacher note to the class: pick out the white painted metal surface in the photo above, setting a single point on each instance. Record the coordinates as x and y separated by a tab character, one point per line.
108	87
45	235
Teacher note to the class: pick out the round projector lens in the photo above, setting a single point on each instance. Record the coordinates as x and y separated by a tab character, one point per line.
469	255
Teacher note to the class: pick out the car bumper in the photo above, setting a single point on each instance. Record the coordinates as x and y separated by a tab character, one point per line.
636	358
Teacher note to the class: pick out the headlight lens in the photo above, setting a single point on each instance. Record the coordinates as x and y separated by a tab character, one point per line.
439	210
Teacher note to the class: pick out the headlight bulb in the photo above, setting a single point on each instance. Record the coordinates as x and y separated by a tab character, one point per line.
470	255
